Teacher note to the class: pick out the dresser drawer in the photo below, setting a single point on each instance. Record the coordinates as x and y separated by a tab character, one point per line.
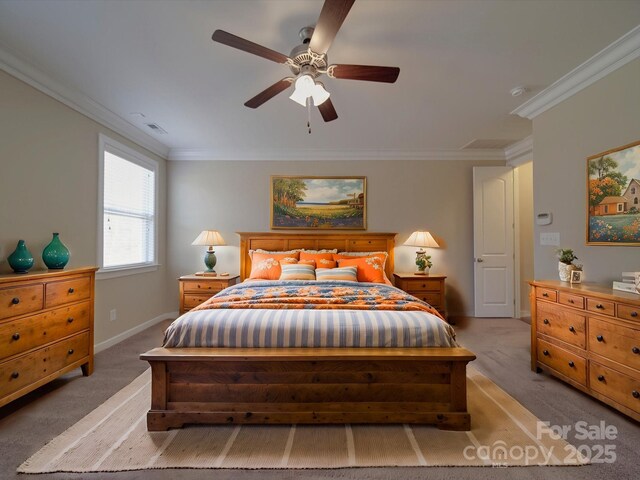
571	300
191	301
20	300
426	285
615	342
601	306
559	323
615	385
628	312
23	371
210	287
547	294
67	291
563	361
26	333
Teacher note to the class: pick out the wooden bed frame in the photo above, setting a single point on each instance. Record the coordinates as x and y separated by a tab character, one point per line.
309	385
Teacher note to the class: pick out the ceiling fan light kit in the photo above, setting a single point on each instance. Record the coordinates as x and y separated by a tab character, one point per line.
309	60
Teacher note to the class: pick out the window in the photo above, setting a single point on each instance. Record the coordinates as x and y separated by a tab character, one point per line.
127	216
606	209
620	207
635	201
633	190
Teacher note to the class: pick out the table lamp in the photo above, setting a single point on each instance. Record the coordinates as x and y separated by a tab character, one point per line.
422	239
210	238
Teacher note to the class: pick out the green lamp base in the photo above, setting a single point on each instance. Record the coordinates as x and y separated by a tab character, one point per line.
210	260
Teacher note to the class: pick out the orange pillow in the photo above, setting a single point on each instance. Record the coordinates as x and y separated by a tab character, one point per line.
288	261
323	263
308	262
348	255
316	256
370	269
266	266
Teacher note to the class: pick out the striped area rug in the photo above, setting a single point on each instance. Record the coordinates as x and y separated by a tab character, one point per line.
114	438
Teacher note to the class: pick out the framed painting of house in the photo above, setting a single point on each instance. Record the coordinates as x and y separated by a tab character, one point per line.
613	197
313	203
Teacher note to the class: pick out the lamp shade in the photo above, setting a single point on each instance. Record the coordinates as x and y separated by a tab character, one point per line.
421	239
209	238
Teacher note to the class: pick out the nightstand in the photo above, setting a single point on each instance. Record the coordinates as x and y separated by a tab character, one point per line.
428	288
195	289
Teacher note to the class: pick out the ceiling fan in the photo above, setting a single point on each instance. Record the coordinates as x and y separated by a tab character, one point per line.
309	60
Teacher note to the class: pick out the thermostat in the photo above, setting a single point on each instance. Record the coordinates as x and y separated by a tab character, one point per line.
544	219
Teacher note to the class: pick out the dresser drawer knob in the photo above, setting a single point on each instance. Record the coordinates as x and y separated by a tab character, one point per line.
545	353
635	350
545	294
601	378
70	320
635	394
572	329
424	285
600	306
634	314
16	336
571	364
600	338
71	290
546	321
70	351
15	300
571	300
15	374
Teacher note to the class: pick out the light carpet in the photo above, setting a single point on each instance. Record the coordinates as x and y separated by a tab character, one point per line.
114	438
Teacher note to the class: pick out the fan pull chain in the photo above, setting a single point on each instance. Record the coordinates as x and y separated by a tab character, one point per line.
309	114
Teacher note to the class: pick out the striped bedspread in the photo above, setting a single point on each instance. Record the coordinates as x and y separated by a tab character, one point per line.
223	324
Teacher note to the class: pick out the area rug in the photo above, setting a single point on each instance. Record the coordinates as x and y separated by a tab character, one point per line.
114	438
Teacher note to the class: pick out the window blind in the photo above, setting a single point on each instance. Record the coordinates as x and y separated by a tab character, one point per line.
129	213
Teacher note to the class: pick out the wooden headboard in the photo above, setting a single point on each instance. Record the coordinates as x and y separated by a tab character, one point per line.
344	242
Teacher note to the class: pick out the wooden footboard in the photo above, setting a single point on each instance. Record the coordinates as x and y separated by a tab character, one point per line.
308	385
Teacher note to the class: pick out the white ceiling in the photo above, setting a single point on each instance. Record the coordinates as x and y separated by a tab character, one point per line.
458	60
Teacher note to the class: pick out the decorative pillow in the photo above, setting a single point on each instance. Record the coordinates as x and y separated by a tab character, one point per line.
306	255
308	262
370	269
383	255
293	253
266	266
298	271
340	273
333	250
322	263
288	261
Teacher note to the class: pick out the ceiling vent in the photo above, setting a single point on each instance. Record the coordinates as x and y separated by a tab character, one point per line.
487	144
156	128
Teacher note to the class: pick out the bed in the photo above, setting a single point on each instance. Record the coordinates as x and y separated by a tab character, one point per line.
311	384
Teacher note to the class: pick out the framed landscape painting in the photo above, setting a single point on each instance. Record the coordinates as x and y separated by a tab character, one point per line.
319	202
613	190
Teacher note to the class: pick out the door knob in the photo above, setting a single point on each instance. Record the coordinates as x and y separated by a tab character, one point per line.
479	260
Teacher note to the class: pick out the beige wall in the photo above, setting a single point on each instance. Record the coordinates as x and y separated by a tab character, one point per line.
602	116
49	183
403	196
524	191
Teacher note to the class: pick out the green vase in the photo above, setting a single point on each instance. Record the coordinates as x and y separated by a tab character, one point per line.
21	259
55	255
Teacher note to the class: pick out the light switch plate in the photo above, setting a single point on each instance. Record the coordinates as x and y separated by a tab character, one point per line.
550	238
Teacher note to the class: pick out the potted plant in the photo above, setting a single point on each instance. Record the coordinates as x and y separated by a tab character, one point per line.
565	263
424	263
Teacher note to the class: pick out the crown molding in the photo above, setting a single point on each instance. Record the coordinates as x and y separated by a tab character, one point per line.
301	155
79	102
616	55
519	152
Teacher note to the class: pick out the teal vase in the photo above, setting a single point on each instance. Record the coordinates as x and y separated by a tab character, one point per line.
55	255
21	259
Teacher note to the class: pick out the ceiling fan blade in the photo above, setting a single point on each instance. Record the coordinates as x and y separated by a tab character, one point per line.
364	72
331	17
327	111
269	93
234	41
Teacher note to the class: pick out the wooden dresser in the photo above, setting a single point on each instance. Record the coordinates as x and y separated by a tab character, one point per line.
46	328
195	289
428	288
588	336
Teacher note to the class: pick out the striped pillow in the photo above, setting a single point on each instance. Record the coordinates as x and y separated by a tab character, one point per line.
297	271
341	273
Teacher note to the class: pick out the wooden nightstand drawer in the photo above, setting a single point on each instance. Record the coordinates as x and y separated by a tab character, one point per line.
20	300
547	294
601	306
433	299
196	286
59	293
566	326
563	361
571	300
422	285
196	289
428	288
619	387
615	342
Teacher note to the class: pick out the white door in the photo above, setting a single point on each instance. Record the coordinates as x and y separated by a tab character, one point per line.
493	241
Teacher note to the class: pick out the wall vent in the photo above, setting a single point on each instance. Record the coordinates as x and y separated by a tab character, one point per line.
488	144
156	128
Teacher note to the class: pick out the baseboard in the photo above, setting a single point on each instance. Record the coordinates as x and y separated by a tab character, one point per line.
525	313
98	347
